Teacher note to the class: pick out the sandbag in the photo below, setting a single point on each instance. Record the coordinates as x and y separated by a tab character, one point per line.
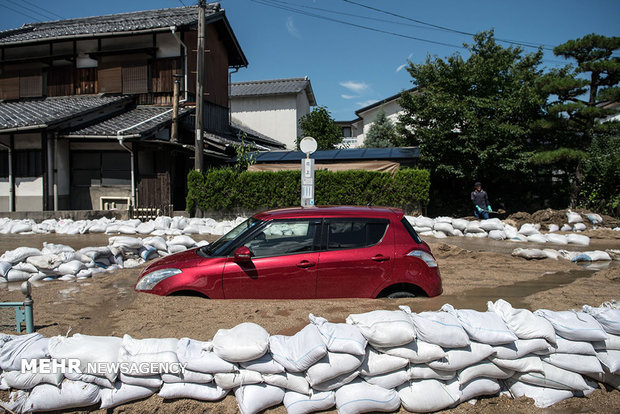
579	227
51	248
288	381
528	229
4	268
264	365
440	328
230	380
439	234
578	239
126	241
187	376
255	398
335	383
491	224
608	318
70	394
93	379
123	393
612	343
377	363
203	392
611	359
528	363
422	396
423	371
296	403
553	228
149	381
417	352
479	387
361	397
15	348
176	248
19	255
529	253
197	356
484	327
460	224
29	380
71	268
145	228
158	242
520	348
15	275
581	364
183	241
298	352
444	227
497	235
537	238
340	337
473	227
459	358
25	267
389	380
148	364
485	369
332	365
384	328
522	322
244	342
577	326
554	377
543	397
573	217
422	221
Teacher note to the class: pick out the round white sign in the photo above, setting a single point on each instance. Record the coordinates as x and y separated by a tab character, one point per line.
308	145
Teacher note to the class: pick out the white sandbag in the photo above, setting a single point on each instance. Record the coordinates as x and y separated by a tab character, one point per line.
21	227
422	221
361	397
230	380
123	393
578	239
566	227
577	326
479	387
148	364
255	398
552	254
543	397
423	371
146	228
579	227
537	238
529	253
126	241
29	380
389	380
497	235
519	238
444	227
609	318
423	396
176	248
459	358
491	224
440	328
264	365
332	365
554	377
288	381
473	227
594	218
439	234
67	278
553	228
457	233
91	379
485	369
429	233
15	348
158	242
183	240
178	222
528	363
149	345
591	256
443	219
4	268
421	230
377	363
244	342
296	403
19	255
191	230
528	229
70	394
520	348
126	229
484	327
163	222
187	376
89	350
383	328
573	217
611	359
197	356
522	322
15	275
71	268
203	392
581	364
150	381
340	337
298	352
417	352
612	343
460	224
26	267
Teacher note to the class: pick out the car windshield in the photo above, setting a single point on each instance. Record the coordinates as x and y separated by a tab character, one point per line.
221	245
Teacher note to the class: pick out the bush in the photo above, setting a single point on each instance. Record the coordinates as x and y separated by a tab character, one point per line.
226	189
601	176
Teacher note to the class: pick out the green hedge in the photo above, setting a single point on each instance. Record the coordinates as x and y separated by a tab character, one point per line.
226	189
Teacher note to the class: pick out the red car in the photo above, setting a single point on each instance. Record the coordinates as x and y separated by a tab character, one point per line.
303	253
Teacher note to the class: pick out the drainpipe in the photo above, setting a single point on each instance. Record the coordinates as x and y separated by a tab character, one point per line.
11	177
55	172
178	39
230	95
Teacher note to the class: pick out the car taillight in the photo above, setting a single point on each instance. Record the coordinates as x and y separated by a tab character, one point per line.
428	258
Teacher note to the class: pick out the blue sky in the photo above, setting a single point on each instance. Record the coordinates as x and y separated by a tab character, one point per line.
349	66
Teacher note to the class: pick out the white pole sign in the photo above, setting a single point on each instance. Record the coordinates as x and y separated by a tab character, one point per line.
308	146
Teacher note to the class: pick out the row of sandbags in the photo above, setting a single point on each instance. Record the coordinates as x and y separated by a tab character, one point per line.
62	262
573	256
377	361
161	226
494	228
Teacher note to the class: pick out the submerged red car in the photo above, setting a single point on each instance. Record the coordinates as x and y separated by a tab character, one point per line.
304	253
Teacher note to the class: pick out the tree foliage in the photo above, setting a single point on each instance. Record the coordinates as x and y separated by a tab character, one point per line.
382	133
601	170
320	125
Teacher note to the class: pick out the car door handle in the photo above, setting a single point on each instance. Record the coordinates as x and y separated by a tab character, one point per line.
304	264
380	258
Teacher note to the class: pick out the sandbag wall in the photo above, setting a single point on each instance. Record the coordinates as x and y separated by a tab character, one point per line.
62	262
377	361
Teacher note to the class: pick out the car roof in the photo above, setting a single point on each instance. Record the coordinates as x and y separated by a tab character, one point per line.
329	211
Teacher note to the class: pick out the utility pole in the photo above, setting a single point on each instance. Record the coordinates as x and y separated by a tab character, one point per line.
200	69
174	133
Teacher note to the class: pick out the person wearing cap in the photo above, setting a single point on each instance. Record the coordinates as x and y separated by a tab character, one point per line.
479	197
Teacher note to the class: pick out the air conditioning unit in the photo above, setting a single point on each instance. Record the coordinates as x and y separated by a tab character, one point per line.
114	203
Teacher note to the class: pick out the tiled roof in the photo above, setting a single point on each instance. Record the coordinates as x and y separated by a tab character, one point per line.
50	111
113	23
273	87
128	119
255	136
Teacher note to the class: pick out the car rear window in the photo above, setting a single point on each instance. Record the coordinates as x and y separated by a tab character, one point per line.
411	231
354	233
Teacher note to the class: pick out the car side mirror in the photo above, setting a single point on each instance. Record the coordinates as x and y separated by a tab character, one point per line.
243	254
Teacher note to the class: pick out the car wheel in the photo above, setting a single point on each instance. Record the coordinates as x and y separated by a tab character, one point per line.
399	295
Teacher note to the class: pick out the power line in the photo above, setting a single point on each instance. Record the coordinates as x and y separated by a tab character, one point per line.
30	10
23	14
448	29
44	9
184	5
277	6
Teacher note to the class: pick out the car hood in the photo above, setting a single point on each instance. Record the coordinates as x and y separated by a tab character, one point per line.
186	258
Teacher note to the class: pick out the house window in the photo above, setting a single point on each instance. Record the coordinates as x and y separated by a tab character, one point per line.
101	168
135	78
4	164
346	132
27	163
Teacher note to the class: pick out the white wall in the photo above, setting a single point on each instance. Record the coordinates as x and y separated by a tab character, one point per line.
392	111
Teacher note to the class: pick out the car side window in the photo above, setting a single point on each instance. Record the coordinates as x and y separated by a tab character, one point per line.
355	233
282	237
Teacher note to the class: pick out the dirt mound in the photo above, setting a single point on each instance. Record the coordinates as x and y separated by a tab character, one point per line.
444	250
558	217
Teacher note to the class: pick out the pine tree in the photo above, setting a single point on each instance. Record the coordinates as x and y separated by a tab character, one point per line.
382	133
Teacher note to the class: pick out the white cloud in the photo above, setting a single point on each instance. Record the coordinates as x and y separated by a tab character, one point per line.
292	29
343	96
366	103
353	86
401	67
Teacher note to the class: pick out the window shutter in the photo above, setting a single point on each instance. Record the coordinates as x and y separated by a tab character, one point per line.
135	78
30	84
9	87
109	78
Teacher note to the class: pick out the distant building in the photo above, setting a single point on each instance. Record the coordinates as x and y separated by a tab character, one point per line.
272	107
